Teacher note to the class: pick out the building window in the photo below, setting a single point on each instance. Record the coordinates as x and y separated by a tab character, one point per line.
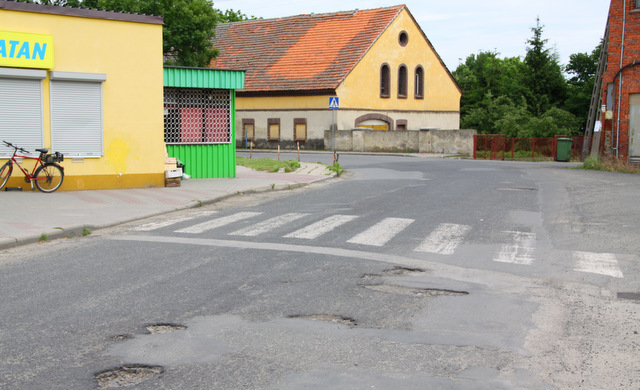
300	129
249	129
197	116
419	83
385	81
401	124
274	129
637	3
21	119
402	82
76	113
403	38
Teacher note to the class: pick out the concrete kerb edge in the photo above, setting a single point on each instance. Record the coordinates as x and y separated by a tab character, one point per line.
76	231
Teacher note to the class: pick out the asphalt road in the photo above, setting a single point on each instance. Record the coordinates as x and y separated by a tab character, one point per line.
405	273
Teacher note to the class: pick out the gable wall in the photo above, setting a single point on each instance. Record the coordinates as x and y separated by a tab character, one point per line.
361	88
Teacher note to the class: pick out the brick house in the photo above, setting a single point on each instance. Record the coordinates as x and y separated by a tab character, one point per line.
620	90
377	62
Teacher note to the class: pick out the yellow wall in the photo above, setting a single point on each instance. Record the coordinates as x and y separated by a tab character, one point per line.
130	54
440	92
283	102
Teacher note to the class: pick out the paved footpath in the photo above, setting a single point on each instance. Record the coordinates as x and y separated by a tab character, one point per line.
26	215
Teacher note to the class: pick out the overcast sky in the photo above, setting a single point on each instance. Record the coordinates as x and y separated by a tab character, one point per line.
458	28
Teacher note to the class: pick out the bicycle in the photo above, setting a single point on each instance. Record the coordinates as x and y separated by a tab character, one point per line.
46	173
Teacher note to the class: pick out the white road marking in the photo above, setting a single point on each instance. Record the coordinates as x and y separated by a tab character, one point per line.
218	222
319	228
597	263
268	225
520	251
380	233
444	239
171	221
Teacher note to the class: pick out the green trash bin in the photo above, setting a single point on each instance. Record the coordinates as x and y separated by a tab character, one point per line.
563	149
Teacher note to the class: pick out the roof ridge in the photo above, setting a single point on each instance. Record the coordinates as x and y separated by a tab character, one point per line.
315	15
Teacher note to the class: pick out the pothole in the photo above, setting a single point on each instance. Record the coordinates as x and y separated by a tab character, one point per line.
164	328
415	292
120	337
129	375
332	318
403	271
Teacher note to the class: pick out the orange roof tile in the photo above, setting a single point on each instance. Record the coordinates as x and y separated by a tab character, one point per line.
300	53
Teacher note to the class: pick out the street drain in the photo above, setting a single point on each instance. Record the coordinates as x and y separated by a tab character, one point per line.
403	271
164	328
515	189
129	375
328	318
629	295
415	292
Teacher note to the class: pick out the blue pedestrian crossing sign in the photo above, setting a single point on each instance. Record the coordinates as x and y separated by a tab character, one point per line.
334	103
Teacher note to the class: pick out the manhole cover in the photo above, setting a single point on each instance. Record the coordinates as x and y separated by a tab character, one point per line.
328	318
415	292
164	328
127	376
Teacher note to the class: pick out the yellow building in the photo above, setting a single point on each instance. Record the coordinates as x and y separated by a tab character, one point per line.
378	63
88	84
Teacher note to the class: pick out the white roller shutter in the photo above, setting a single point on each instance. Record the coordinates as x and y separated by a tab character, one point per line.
76	116
21	113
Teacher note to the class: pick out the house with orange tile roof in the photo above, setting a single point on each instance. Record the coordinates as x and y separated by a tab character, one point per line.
378	63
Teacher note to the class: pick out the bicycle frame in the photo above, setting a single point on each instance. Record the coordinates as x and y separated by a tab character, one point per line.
28	175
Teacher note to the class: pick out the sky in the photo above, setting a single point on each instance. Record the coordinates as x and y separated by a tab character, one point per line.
459	28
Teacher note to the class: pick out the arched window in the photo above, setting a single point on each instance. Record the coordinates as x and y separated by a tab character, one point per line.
402	82
385	81
419	83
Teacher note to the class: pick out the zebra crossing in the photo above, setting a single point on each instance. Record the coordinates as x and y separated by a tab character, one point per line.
518	246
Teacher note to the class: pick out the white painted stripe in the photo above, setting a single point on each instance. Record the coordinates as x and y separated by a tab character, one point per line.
597	263
216	223
171	221
520	251
380	233
444	239
319	228
268	225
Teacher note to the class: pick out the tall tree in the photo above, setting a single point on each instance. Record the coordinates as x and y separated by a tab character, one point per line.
542	76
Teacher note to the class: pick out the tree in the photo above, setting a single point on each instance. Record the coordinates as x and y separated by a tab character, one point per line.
582	67
189	25
486	73
545	84
232	16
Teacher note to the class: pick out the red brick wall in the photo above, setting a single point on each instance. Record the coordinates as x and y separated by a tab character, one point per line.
616	130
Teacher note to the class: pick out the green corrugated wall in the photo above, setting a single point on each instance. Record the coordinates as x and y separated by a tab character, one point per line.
207	161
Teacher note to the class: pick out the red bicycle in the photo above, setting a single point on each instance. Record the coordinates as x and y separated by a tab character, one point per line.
46	174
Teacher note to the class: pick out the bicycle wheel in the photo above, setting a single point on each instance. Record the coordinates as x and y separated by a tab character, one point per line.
49	177
5	172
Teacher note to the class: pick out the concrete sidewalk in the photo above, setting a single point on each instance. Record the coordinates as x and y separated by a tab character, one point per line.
26	215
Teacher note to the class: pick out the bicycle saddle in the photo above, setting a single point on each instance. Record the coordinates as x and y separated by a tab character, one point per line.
45	150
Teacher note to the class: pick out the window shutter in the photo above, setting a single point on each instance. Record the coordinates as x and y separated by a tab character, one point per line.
76	118
21	114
